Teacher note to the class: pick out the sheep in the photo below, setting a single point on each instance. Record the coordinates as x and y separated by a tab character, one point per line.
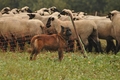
43	12
5	10
91	17
105	32
12	27
104	26
15	11
66	12
52	10
115	18
44	19
85	28
25	9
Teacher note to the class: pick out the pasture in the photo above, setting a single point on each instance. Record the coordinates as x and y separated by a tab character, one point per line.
17	66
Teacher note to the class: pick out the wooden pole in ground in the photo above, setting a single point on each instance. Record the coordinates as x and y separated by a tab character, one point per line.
79	39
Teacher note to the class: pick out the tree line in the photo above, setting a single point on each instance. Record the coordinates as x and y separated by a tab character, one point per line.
89	6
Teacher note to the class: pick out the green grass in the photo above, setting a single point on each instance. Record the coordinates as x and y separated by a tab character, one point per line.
17	66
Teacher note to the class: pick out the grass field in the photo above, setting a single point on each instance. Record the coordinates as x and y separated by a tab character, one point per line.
17	66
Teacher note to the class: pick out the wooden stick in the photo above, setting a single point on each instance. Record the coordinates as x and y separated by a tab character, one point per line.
79	39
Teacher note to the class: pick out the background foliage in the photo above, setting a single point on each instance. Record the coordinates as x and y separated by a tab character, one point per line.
89	6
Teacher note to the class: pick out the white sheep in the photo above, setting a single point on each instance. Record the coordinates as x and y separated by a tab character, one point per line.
85	28
115	18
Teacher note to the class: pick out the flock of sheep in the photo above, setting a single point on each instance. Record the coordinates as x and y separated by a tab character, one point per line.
18	26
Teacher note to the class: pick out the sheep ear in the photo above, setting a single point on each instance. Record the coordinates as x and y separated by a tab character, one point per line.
62	27
52	18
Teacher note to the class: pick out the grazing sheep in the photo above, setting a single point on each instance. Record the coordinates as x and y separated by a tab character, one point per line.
105	32
115	18
104	26
16	29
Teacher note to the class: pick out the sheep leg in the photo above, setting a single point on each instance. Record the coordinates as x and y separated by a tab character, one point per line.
12	46
117	46
97	45
1	44
110	46
5	45
21	44
90	45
